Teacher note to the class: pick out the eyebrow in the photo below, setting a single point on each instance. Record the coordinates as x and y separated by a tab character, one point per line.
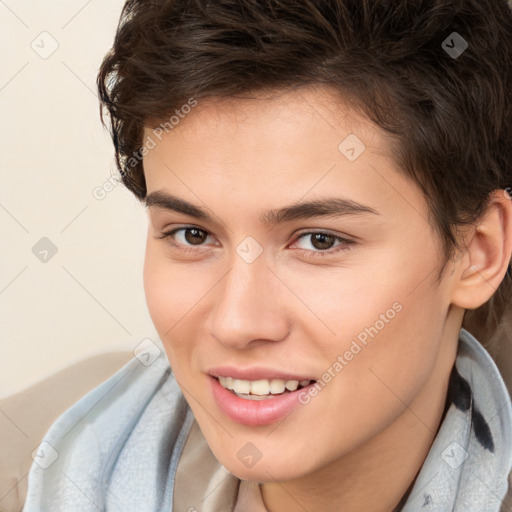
327	207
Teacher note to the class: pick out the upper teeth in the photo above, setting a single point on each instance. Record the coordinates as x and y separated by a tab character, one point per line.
261	387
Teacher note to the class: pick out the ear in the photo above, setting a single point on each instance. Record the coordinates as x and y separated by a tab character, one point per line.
488	251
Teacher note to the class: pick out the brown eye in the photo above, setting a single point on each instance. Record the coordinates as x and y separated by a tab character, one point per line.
319	243
186	238
195	236
322	240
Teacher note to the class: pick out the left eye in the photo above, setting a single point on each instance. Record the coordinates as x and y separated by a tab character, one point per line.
321	243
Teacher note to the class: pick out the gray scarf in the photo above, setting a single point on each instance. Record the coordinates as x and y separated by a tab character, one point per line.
117	449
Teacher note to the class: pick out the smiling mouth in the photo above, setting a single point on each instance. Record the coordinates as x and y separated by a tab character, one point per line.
261	389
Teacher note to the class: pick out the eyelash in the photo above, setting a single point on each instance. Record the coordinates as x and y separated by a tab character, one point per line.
343	246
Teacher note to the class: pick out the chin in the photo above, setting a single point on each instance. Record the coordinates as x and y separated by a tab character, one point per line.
267	469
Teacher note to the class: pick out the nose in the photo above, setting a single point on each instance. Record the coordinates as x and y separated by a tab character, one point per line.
251	306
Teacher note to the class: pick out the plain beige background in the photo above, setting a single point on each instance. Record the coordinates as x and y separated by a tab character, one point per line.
88	297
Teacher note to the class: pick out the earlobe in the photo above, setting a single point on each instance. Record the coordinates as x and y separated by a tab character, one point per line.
487	254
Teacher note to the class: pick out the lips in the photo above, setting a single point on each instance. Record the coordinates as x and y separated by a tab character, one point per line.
254	410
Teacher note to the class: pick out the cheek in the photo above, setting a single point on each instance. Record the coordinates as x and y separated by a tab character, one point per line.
158	293
359	300
387	360
172	297
385	321
170	292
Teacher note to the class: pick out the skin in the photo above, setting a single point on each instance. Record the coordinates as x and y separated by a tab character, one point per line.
361	441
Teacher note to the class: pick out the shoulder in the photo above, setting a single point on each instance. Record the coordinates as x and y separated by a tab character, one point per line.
82	435
27	415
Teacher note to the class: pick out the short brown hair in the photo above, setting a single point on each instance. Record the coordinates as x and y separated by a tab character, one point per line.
451	115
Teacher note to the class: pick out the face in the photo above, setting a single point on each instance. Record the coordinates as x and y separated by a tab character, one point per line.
248	285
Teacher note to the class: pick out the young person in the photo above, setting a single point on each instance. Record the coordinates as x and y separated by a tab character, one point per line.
327	186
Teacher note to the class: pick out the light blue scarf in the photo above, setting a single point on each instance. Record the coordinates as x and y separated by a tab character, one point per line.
118	447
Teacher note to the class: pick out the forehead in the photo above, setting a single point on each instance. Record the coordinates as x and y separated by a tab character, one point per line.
307	139
274	115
